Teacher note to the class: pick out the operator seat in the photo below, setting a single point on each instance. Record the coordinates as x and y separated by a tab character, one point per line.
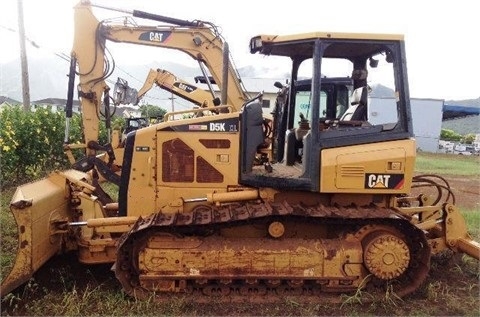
252	134
358	109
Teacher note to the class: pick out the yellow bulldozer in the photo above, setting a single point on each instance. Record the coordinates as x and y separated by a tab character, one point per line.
308	200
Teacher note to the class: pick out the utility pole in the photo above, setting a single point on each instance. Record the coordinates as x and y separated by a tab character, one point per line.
23	58
172	98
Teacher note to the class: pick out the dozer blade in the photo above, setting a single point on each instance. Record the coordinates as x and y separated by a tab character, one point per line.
36	207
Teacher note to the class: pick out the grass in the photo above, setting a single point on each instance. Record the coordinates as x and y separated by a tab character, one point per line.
452	287
472	219
447	164
8	233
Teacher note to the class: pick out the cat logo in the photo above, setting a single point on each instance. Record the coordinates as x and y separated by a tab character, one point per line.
185	87
155	36
384	181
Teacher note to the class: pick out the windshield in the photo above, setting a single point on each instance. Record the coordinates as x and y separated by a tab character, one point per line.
374	71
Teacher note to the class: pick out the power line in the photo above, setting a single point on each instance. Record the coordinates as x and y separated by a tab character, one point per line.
63	56
66	58
124	71
33	43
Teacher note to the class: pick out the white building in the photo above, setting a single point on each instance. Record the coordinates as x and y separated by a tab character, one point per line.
55	104
426	118
427	122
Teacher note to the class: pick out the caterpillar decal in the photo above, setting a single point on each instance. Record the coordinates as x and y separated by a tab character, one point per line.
391	181
155	36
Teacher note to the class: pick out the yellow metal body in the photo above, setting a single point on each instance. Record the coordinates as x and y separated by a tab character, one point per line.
168	81
151	190
40	210
89	48
343	169
199	43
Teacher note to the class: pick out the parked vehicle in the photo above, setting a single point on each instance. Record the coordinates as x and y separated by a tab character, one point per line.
462	149
445	146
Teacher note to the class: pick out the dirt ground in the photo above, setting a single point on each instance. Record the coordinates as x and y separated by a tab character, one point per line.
466	190
452	287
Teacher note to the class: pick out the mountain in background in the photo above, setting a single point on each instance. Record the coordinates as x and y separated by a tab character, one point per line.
465	125
48	79
380	91
466	103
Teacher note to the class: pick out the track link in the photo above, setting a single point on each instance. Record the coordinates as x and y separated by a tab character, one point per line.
204	221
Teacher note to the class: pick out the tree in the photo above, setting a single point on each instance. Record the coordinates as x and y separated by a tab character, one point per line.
449	135
151	111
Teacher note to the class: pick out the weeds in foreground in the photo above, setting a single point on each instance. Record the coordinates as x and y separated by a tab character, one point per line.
359	295
467	266
385	303
391	298
15	300
435	290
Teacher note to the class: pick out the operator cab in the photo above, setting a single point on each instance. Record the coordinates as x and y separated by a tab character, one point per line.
346	90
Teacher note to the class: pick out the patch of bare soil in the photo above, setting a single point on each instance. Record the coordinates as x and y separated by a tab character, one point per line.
466	190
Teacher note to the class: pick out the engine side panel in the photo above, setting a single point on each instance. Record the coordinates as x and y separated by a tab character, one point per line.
376	168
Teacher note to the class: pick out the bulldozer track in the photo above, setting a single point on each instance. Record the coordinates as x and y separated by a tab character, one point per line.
207	219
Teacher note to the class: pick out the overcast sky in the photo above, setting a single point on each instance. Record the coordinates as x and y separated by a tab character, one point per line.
441	36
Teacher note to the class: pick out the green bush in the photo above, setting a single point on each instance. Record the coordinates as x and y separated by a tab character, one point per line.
469	138
31	143
450	135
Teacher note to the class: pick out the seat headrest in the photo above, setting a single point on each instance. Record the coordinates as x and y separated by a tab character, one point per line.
359	96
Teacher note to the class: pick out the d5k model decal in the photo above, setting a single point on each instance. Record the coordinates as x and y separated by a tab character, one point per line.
378	181
225	125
